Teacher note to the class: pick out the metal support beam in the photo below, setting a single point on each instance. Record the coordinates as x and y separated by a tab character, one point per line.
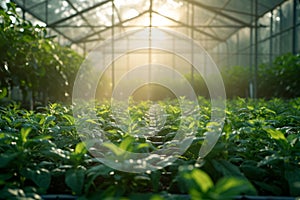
218	12
191	27
271	40
101	31
79	13
166	26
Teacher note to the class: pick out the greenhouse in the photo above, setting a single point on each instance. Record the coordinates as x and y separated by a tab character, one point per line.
150	99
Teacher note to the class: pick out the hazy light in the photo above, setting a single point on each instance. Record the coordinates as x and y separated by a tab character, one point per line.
269	14
130	13
277	19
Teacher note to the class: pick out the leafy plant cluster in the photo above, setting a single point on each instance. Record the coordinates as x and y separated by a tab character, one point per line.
33	68
281	79
257	153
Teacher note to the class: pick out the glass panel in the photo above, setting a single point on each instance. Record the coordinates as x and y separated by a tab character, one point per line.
298	11
286	42
169	8
244	37
244	58
264	30
75	33
74	21
276	20
30	3
202	16
298	39
59	10
243	17
239	5
215	3
39	11
275	47
264	51
101	16
287	14
265	5
84	4
223	33
34	20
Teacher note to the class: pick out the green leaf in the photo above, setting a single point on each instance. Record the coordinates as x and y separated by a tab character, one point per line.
6	158
226	168
3	93
202	179
75	179
80	148
292	175
276	134
126	144
24	134
115	149
230	186
41	177
69	118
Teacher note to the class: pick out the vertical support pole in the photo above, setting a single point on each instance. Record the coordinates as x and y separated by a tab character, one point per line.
23	13
255	51
150	49
173	59
84	49
271	40
237	48
192	49
46	11
294	47
127	57
251	57
112	47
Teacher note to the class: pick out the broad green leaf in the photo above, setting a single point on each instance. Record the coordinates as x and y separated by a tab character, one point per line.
276	134
231	186
49	119
269	187
75	179
226	168
41	177
115	149
80	148
202	179
6	158
292	175
69	118
127	143
3	93
24	134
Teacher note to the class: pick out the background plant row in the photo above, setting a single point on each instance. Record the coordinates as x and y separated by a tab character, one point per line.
258	153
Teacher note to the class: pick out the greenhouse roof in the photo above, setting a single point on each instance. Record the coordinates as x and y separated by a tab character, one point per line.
84	22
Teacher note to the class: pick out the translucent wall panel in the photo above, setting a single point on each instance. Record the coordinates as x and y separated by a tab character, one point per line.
271	43
287	14
298	39
286	42
298	12
264	29
264	52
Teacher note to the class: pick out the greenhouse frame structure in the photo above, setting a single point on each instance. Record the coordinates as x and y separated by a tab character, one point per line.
233	32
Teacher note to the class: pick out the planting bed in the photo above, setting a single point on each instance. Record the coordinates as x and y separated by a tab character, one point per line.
258	153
